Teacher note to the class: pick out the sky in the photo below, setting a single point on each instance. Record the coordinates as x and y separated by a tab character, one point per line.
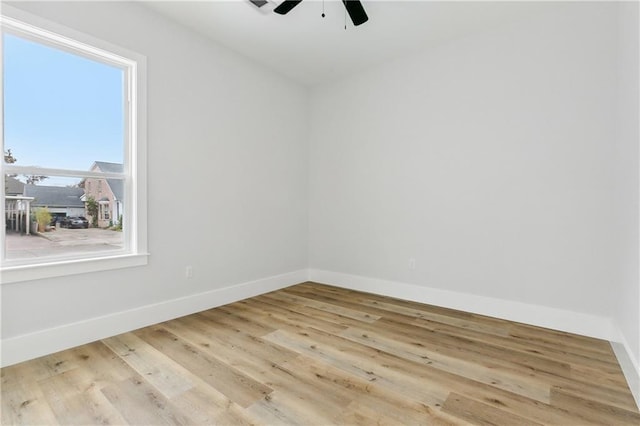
61	110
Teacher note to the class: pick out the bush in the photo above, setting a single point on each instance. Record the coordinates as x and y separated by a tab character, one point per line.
92	211
43	217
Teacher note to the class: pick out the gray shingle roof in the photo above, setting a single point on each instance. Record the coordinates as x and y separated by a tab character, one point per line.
109	167
13	186
117	188
116	185
54	196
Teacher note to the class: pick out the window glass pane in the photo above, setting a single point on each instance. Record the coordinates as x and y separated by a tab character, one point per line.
65	114
53	218
62	110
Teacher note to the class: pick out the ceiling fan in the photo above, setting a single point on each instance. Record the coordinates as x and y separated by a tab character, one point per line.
354	9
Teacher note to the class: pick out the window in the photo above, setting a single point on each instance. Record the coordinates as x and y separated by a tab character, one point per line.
104	210
74	120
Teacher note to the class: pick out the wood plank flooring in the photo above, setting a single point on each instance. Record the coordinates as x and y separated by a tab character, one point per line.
313	354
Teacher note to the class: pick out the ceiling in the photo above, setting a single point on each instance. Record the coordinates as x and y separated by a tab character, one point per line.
311	50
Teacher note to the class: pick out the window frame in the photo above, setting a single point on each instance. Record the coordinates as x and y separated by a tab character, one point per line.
134	176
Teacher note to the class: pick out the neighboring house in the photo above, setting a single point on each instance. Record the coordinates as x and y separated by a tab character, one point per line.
17	207
59	200
109	193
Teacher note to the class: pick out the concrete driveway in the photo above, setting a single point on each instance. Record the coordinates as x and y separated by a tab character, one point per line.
62	241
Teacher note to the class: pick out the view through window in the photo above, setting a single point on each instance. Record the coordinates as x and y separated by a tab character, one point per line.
67	143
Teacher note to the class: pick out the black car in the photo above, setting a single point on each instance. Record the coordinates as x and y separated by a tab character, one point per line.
74	222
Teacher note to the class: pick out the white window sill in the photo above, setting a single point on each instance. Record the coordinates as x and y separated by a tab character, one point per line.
14	274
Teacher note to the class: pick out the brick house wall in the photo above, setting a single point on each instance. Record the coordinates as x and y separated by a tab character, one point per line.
109	205
101	192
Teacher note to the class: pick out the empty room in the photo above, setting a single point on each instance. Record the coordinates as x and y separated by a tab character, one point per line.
320	212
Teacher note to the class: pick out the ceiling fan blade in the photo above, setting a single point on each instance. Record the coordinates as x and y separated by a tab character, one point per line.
356	11
258	3
286	6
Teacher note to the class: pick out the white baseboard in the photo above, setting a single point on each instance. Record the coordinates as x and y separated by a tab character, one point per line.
630	367
43	342
541	316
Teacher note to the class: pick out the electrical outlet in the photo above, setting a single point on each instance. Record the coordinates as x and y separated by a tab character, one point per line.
412	263
189	272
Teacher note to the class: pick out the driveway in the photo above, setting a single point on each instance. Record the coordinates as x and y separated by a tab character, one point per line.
62	242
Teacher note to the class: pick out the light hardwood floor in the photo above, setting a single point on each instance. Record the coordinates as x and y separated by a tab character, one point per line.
316	355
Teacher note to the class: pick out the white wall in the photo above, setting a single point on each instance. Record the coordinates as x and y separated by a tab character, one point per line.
227	182
487	159
505	164
627	310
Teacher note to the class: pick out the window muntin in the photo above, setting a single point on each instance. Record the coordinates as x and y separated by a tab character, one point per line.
129	177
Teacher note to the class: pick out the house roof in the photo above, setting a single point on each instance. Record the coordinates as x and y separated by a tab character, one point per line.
13	186
108	167
117	188
116	185
54	196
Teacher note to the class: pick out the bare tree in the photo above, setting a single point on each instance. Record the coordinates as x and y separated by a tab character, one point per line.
34	179
30	179
9	158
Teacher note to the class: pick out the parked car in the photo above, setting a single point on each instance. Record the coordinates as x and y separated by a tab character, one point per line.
74	222
56	219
